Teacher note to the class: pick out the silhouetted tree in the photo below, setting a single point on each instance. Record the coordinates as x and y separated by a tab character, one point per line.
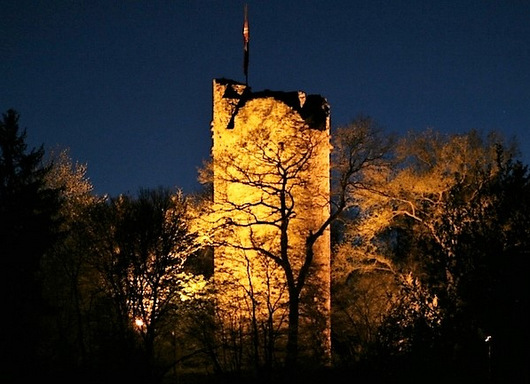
66	271
140	248
279	183
29	220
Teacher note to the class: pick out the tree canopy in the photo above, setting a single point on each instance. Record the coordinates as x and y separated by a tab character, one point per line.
429	255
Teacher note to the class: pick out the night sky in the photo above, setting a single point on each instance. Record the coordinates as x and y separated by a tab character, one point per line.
127	85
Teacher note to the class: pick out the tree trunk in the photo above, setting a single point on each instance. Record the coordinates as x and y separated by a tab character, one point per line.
292	336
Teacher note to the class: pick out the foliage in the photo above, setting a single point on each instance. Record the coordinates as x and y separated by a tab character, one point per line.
139	250
439	224
66	272
29	221
429	264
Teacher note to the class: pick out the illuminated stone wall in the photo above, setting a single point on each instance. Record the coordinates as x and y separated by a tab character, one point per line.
265	143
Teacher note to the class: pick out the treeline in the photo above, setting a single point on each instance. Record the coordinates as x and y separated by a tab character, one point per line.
429	269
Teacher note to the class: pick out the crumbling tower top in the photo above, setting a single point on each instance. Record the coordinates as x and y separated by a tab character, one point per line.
230	96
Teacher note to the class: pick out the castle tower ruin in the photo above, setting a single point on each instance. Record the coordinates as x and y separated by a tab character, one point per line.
271	172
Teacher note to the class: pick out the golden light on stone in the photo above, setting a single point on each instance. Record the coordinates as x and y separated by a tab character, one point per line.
271	157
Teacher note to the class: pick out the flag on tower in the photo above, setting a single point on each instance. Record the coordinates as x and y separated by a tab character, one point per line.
246	38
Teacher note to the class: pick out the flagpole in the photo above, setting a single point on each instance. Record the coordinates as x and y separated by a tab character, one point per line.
246	38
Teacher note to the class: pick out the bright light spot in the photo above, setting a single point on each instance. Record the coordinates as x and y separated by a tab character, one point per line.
139	323
488	338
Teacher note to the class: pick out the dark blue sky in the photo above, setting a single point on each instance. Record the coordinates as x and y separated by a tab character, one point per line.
126	85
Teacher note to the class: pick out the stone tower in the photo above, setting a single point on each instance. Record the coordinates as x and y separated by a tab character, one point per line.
271	171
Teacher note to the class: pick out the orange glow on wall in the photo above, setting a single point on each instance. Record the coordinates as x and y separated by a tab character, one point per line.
271	168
